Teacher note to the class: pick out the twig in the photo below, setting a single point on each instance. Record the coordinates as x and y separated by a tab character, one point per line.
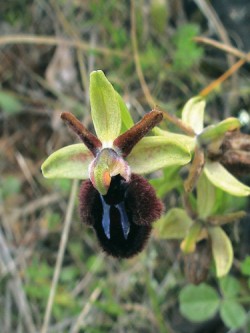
60	256
139	72
178	122
222	78
81	318
212	17
34	206
224	47
48	40
16	287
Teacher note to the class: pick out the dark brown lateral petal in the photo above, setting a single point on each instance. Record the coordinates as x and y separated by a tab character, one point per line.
126	141
89	139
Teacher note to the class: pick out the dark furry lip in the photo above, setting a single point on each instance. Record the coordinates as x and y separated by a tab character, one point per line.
122	219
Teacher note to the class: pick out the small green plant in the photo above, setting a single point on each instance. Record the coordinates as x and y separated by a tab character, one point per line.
200	303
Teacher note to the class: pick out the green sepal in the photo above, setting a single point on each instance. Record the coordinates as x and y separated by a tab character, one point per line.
206	197
156	152
105	108
222	250
221	178
68	162
193	113
186	140
214	132
127	120
174	225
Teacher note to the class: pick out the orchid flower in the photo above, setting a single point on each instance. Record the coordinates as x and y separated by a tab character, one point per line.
115	200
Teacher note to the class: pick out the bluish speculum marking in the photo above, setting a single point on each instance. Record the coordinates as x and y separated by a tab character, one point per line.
106	218
123	218
113	201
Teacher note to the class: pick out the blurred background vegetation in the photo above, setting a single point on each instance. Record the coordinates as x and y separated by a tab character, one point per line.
47	50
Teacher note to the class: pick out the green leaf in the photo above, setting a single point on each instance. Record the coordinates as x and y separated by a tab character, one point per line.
216	131
187	53
222	250
193	113
9	103
198	303
206	197
69	162
233	314
221	178
229	286
170	180
174	225
245	266
9	186
156	152
159	12
127	121
105	108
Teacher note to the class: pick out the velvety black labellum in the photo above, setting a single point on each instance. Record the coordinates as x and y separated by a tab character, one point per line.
122	219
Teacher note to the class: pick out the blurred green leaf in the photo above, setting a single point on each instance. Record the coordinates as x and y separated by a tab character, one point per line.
169	181
229	286
9	185
187	53
9	103
69	273
233	314
159	15
198	303
174	225
54	220
110	307
245	266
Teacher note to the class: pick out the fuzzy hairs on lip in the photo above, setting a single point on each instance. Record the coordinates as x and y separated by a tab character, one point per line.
132	208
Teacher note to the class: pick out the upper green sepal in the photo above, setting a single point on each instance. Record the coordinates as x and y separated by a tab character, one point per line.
193	113
105	108
68	162
155	152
